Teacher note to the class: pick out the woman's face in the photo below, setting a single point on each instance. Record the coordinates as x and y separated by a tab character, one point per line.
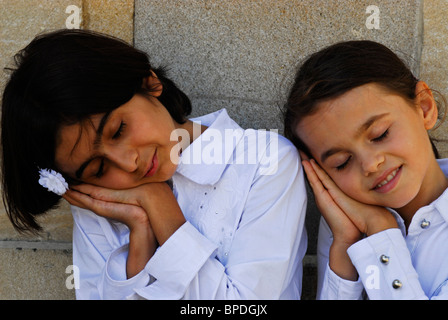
128	147
372	143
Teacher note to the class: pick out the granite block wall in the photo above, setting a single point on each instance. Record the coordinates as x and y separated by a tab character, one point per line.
236	54
34	267
242	55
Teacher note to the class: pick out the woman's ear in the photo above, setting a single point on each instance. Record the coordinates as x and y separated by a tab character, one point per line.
427	104
153	84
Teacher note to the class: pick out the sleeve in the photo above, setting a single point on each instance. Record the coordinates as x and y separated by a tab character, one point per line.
442	292
100	256
265	260
385	271
385	267
329	285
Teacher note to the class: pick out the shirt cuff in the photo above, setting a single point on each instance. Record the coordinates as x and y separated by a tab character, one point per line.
115	284
337	288
385	267
177	262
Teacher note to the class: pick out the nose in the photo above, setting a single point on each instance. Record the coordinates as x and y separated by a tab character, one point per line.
124	158
371	162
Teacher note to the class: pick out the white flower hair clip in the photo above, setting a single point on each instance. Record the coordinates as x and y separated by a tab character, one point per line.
53	181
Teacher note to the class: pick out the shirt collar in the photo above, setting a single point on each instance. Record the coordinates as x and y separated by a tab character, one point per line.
440	204
205	160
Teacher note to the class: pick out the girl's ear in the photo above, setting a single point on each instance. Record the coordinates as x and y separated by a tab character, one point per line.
427	104
153	84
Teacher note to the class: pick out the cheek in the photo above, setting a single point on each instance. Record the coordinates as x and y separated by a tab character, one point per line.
168	160
351	185
346	183
114	179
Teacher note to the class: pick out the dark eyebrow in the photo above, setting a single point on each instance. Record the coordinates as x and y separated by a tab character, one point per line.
80	171
325	155
98	135
99	131
370	122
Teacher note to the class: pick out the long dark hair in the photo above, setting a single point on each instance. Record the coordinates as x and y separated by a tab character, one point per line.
63	78
335	70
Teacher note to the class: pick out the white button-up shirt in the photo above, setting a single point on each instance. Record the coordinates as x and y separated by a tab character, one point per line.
244	237
392	265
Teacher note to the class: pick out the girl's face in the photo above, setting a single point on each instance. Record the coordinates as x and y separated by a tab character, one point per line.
128	147
374	144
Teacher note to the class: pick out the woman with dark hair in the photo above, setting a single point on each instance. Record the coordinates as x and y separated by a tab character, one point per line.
360	115
87	117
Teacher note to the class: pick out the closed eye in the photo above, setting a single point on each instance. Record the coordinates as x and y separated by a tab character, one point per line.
344	165
100	172
381	137
119	131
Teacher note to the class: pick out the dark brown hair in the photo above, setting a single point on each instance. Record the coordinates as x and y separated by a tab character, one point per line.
61	78
339	68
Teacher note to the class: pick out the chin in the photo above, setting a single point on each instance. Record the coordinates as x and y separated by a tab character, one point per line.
165	174
399	201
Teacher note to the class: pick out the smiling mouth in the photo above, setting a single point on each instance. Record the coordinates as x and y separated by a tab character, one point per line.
389	182
153	167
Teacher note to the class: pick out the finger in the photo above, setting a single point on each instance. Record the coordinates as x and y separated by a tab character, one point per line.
303	155
313	179
336	218
80	199
323	197
68	197
112	210
351	208
323	176
105	194
337	194
88	189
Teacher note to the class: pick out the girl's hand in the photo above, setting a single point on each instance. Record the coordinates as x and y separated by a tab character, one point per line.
112	204
368	219
107	203
347	218
156	200
343	229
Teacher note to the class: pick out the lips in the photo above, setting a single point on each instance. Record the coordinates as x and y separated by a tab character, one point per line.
388	180
152	166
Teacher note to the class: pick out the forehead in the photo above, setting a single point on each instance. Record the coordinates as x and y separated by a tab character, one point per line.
340	118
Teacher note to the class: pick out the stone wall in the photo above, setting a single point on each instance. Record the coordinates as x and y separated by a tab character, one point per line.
236	54
35	267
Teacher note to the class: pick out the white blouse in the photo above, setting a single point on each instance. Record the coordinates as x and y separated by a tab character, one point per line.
244	237
392	265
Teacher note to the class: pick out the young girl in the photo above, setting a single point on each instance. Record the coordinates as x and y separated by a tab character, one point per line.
228	225
362	118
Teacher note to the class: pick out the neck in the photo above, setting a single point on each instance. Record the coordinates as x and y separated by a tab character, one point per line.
188	132
434	184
